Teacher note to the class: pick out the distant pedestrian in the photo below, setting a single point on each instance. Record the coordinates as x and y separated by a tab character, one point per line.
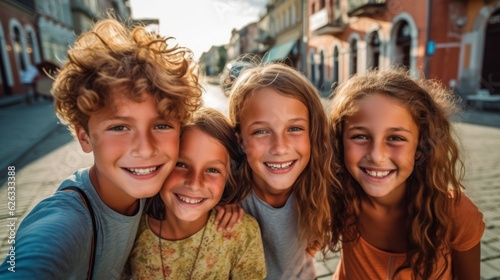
178	239
124	93
283	130
400	166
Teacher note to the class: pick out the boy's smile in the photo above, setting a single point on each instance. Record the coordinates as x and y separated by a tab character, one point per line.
134	149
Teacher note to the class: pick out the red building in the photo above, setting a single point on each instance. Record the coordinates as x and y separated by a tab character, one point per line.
19	46
455	41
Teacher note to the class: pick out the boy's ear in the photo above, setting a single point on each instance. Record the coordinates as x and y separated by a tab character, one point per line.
83	138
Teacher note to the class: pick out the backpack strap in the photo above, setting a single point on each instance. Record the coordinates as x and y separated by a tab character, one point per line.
94	227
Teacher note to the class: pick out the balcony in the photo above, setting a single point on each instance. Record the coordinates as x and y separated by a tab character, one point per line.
321	23
364	7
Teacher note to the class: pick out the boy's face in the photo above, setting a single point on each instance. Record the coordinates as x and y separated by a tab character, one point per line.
134	148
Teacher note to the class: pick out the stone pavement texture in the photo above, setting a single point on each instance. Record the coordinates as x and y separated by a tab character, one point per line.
40	169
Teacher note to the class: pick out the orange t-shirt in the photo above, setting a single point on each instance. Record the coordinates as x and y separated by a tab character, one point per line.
361	260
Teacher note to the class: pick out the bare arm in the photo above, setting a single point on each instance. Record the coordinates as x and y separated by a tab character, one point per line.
466	264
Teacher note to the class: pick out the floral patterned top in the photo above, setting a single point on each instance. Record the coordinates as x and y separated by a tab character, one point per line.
223	255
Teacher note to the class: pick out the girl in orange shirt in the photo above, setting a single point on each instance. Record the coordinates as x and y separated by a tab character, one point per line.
398	161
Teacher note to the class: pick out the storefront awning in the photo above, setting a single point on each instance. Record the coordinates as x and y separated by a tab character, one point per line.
280	51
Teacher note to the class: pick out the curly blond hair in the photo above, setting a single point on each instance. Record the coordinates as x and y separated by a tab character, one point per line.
435	183
133	61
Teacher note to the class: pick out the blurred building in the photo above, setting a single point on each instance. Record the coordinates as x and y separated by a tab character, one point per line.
40	31
455	41
285	31
244	41
212	62
249	39
55	27
19	45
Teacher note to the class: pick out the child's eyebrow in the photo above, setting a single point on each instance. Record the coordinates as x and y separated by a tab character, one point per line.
128	118
397	129
259	122
392	129
182	157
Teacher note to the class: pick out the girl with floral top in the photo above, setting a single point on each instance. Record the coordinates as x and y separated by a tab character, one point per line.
177	238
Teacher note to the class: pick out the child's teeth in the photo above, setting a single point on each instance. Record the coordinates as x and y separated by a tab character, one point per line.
378	174
142	171
189	200
279	166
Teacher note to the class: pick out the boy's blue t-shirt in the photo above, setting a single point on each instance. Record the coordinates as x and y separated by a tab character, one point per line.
54	240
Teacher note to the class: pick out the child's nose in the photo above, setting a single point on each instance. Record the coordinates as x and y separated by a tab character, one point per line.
377	152
194	180
279	145
144	145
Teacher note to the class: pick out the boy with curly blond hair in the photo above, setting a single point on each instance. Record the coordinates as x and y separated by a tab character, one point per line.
124	93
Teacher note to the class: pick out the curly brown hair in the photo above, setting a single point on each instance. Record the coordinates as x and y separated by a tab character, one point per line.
435	182
315	185
112	57
216	125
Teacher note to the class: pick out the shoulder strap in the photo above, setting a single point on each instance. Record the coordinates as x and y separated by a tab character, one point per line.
94	228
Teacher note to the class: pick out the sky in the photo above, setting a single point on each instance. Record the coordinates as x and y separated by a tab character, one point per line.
199	24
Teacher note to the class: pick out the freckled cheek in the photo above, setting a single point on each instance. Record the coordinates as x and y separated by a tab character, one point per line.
110	145
217	187
255	147
168	144
173	180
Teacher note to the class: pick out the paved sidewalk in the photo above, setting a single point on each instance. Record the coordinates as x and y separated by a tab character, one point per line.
23	126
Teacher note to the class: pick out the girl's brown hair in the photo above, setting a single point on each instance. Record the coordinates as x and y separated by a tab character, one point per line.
113	58
436	179
313	186
216	125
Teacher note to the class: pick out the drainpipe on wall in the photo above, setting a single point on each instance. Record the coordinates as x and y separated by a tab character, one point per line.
427	38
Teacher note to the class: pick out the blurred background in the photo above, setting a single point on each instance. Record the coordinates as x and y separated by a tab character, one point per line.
456	42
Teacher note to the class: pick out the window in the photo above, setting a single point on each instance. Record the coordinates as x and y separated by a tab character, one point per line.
18	49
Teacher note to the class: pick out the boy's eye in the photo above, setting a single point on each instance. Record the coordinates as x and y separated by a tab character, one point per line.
118	128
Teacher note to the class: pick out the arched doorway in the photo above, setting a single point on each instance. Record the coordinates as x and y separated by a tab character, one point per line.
490	75
17	47
403	45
